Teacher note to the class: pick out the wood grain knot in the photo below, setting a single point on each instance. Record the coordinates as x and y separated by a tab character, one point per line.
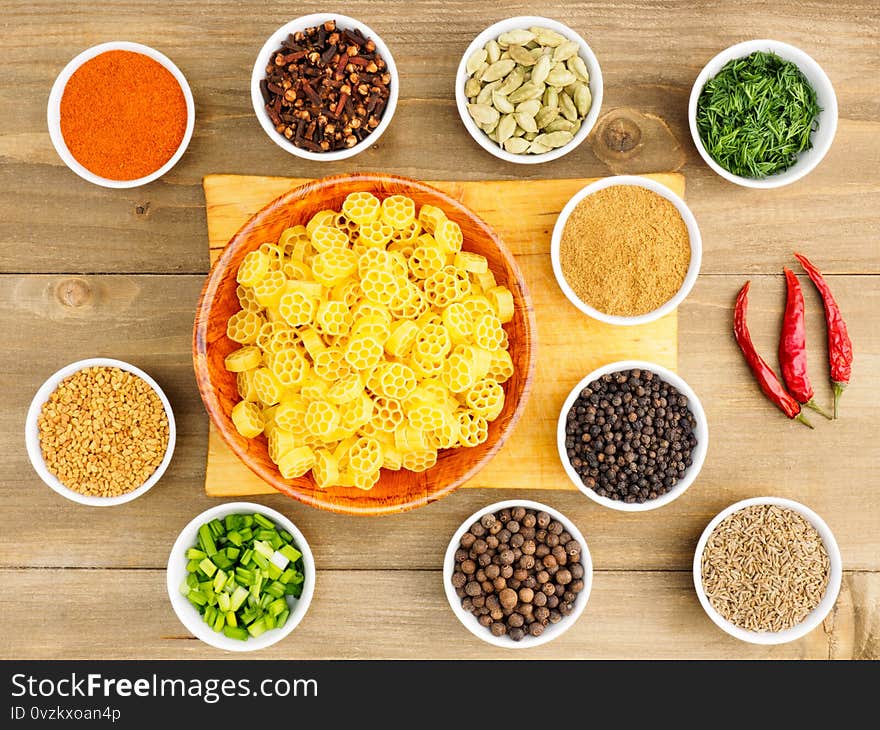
633	142
621	134
142	209
73	293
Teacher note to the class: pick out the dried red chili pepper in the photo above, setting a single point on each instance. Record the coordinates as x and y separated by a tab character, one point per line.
840	350
793	346
767	379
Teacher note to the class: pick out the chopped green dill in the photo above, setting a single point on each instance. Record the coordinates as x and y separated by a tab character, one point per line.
757	115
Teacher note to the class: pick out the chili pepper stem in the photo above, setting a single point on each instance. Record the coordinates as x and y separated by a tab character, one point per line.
803	419
838	389
819	409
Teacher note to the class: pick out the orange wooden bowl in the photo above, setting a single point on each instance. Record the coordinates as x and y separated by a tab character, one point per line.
396	491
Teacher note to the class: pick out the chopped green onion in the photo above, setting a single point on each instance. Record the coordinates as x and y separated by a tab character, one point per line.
206	540
291	553
236	633
265	522
207	567
194	554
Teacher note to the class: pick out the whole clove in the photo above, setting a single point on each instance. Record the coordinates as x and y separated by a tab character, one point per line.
326	89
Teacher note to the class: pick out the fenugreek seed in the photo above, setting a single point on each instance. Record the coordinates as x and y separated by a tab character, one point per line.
518	37
560	76
554	139
567	107
476	60
499	70
578	67
547	37
506	127
472	87
485	95
526	121
565	50
521	56
583	99
516	145
545	116
493	52
483	113
512	82
541	70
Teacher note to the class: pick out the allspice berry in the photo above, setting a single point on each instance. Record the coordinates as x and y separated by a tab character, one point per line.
508	598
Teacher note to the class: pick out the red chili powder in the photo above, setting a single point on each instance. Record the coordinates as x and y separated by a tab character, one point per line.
123	115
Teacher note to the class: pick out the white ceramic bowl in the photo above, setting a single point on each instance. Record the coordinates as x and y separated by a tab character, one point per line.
701	432
696	242
54	113
815	617
32	433
274	43
491	33
825	96
551	631
192	619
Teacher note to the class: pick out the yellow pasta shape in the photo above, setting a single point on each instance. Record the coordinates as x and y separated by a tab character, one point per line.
327	237
333	318
314	388
501	300
486	399
430	217
458	372
477	305
380	286
473	263
348	292
375	234
424	363
311	289
244	358
296	462
501	367
391	458
321	419
269	289
449	236
403	335
365	456
275	254
326	469
393	380
289	367
266	333
345	389
405	235
481	359
364	482
321	218
357	412
488	332
244	326
427	416
247	299
281	442
283	338
410	302
296	271
420	460
247	419
426	259
267	386
448	434
402	247
253	268
485	280
446	286
347	225
331	365
387	414
473	428
370	322
458	322
407	438
361	207
398	211
310	342
244	384
334	265
290	238
297	309
290	413
363	352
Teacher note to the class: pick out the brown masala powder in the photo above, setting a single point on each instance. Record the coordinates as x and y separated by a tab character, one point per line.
625	250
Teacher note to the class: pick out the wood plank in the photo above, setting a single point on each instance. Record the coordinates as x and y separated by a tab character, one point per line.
509	208
155	228
350	619
147	320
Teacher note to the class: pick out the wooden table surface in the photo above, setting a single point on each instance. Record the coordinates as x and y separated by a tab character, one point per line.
86	271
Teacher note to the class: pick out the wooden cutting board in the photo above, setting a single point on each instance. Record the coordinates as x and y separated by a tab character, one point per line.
570	344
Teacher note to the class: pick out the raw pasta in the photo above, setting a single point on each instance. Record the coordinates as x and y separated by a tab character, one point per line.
369	339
